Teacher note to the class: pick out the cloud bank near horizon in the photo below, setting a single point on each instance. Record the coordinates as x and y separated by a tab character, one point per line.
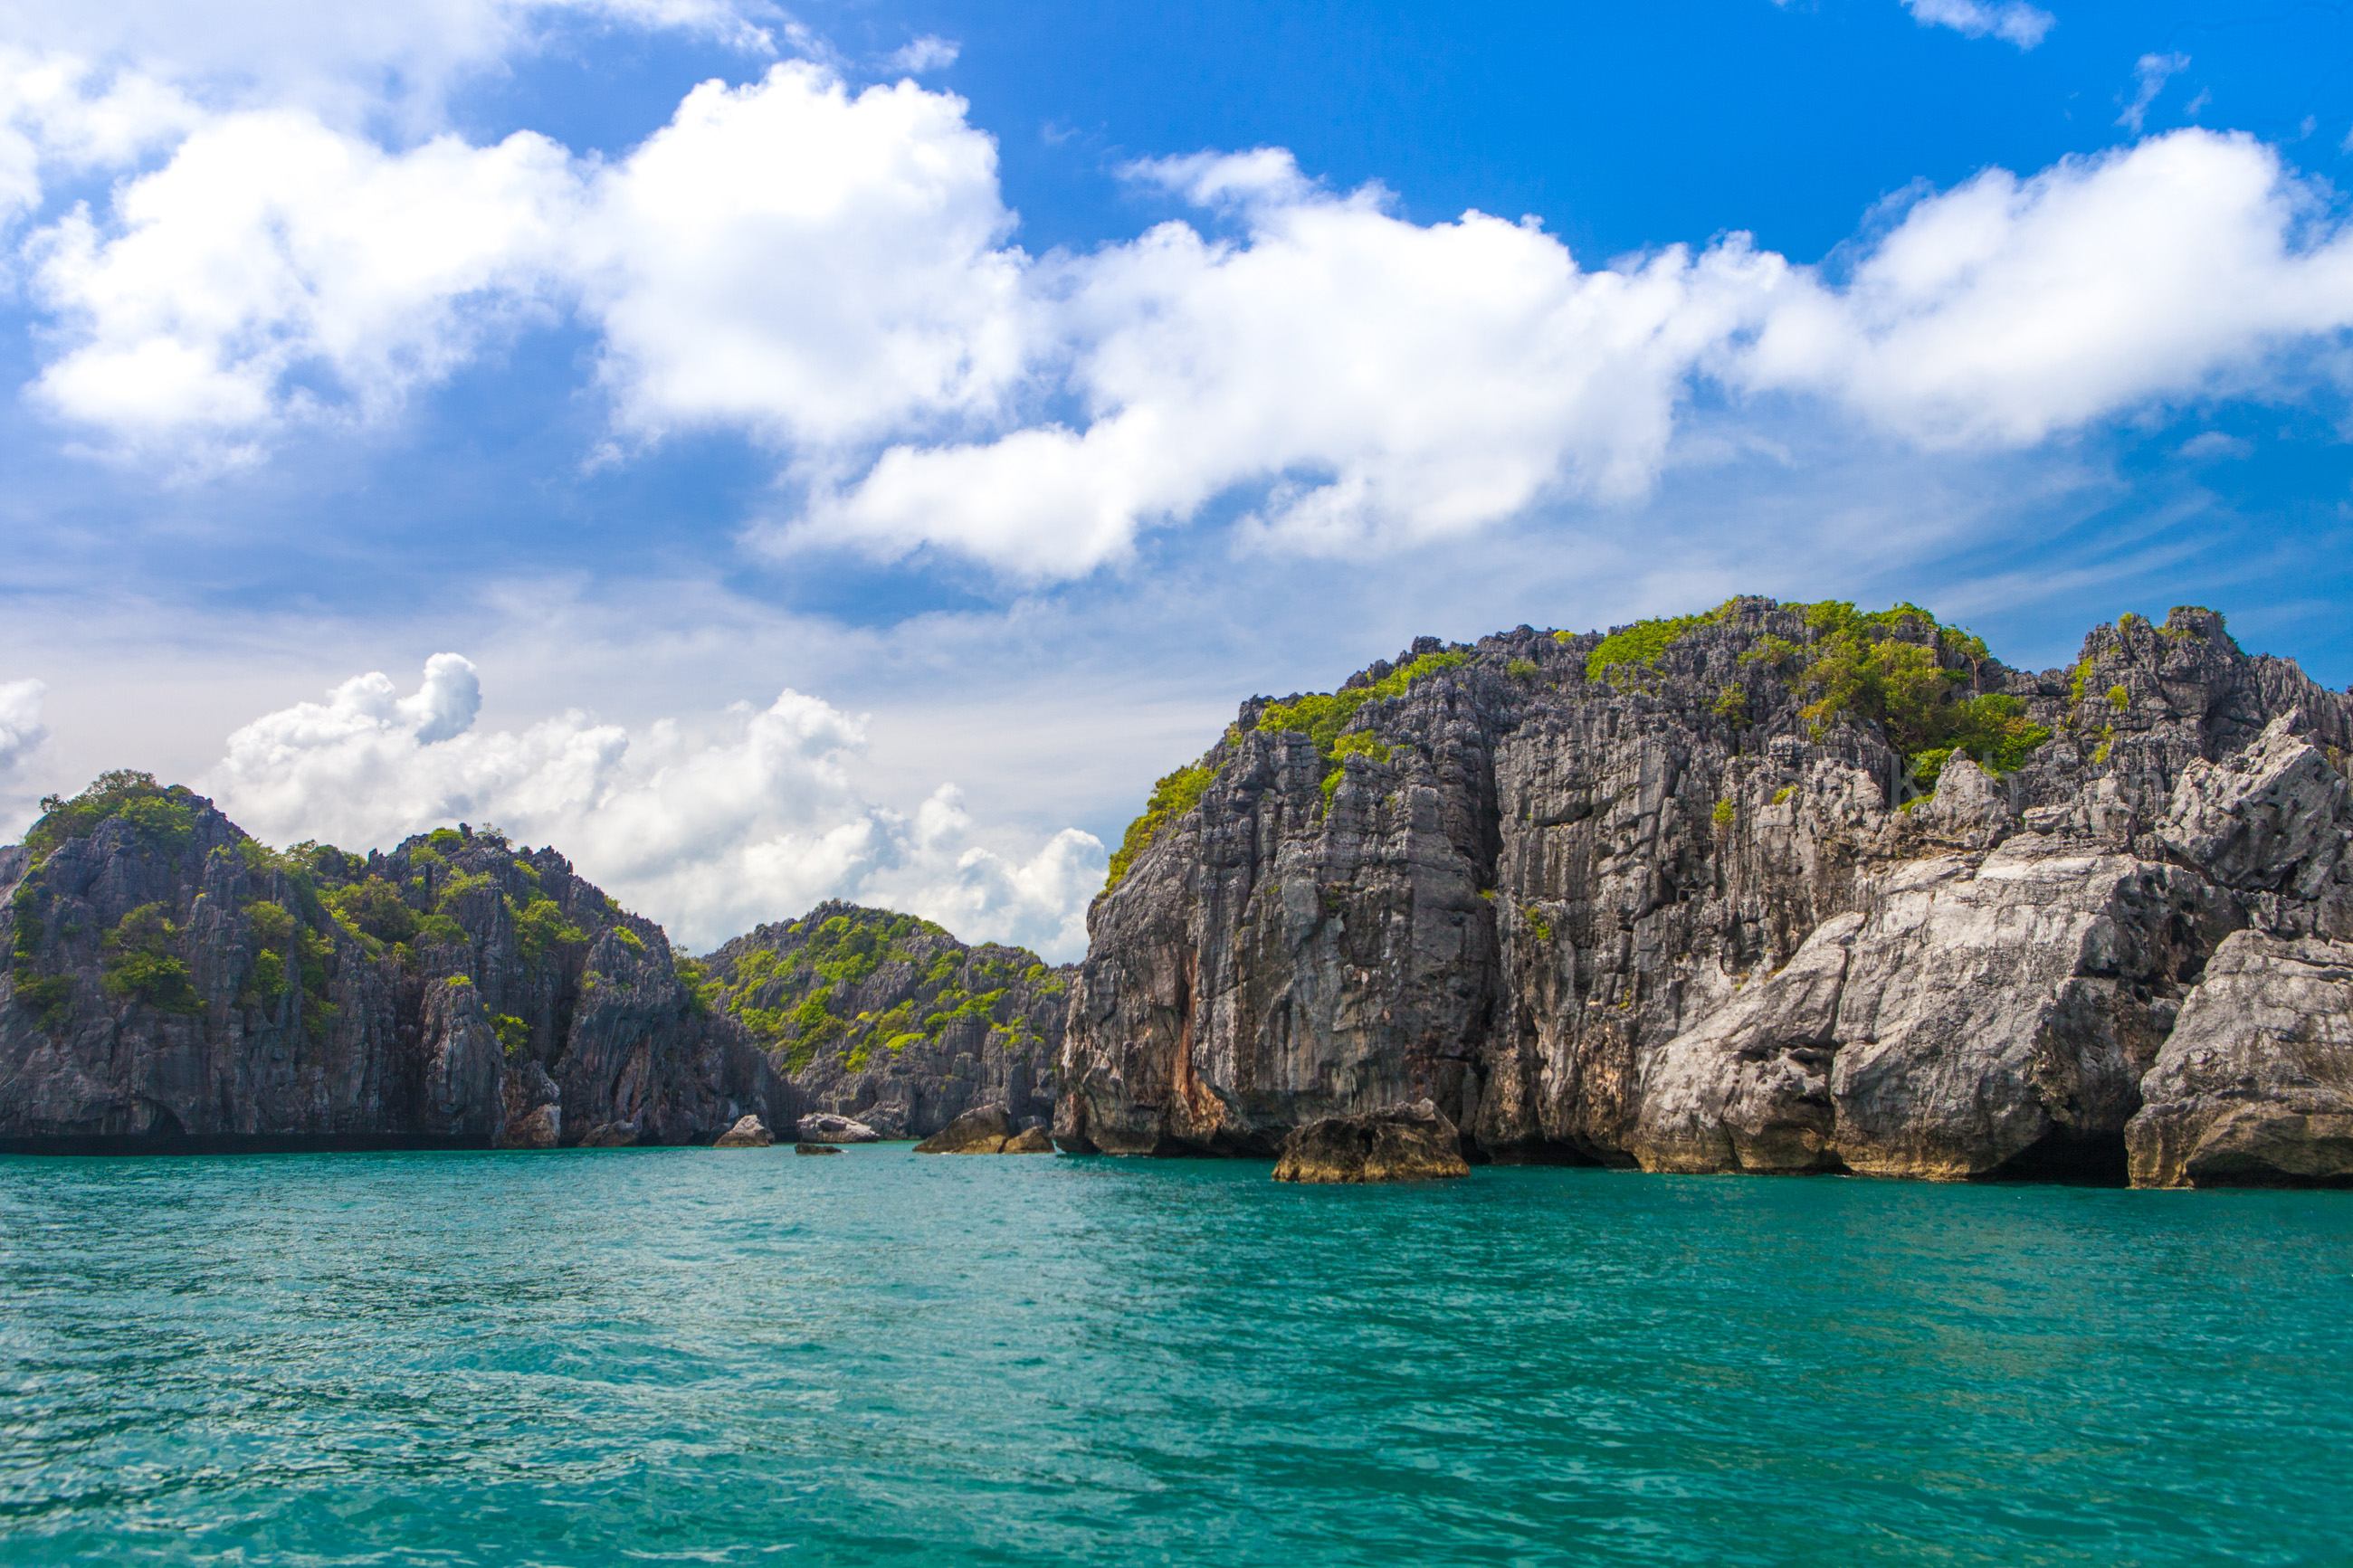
758	821
760	817
831	273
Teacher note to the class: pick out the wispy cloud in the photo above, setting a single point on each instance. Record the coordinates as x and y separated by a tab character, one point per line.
2013	21
928	52
2213	444
2150	73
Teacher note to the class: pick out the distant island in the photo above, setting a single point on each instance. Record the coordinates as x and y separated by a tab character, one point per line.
1774	888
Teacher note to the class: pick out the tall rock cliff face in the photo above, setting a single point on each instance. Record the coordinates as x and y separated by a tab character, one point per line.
1679	898
173	981
889	1019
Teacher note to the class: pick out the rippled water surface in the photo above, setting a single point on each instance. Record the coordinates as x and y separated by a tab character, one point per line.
689	1355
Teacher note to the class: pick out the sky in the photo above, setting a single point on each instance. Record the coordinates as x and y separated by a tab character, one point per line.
852	449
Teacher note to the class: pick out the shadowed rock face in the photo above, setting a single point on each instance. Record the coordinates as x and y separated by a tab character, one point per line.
1407	1143
1688	914
174	983
888	1019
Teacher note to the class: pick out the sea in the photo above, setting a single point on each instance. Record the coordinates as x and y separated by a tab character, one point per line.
750	1356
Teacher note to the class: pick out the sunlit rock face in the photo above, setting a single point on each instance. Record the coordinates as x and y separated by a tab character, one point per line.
1780	888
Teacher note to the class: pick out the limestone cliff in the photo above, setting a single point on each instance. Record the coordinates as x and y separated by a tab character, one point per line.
889	1019
1725	892
174	983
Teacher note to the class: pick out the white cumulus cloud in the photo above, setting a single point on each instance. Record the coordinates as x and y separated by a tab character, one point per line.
812	265
758	821
928	52
275	268
1372	379
2007	309
59	113
831	272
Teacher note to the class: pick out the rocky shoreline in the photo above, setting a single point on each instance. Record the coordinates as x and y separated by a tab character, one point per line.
1775	889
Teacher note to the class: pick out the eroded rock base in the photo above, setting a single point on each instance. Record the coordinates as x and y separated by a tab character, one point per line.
1408	1144
986	1130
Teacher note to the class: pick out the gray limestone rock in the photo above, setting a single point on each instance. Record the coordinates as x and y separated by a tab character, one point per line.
1971	808
983	1129
533	1110
987	1129
1749	1090
1679	910
825	1127
2254	1086
1404	1144
1996	1018
2271	819
541	1127
1986	1016
749	1132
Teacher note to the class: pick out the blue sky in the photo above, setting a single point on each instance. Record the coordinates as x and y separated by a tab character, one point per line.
1013	389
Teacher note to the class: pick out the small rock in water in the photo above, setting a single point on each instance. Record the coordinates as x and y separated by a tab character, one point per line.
815	1149
749	1132
540	1128
986	1130
1405	1143
611	1135
825	1127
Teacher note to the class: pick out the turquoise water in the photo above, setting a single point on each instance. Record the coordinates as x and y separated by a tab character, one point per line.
698	1356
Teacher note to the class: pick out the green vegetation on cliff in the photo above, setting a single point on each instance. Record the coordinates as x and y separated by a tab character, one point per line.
1171	797
49	995
160	814
1321	717
1640	644
142	960
1900	670
274	929
540	927
798	990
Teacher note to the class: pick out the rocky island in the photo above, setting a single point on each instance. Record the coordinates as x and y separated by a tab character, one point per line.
1774	888
174	983
889	1020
